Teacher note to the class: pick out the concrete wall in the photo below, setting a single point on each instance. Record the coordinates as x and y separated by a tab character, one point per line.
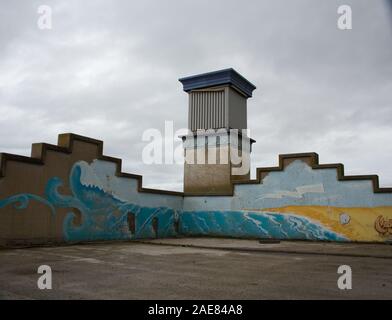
71	192
211	167
207	178
298	202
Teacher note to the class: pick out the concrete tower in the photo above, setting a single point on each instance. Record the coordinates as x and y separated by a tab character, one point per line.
217	149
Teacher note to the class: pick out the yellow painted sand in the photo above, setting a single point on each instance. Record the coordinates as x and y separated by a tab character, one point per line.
359	228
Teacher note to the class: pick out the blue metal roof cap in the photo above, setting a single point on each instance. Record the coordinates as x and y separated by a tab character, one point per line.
216	78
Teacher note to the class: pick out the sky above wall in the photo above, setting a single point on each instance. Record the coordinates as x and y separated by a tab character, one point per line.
109	70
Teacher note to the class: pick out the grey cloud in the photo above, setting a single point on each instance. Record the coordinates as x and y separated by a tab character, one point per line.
109	70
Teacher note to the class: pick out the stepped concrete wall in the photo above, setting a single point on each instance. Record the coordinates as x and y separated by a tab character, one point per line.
72	192
63	194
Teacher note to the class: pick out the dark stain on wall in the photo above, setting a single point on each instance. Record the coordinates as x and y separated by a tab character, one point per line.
132	222
155	226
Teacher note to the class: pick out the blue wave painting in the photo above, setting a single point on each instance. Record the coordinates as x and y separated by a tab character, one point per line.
250	224
105	217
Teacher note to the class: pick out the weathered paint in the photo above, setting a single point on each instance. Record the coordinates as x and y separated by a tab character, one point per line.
359	224
297	185
296	203
103	215
312	194
250	224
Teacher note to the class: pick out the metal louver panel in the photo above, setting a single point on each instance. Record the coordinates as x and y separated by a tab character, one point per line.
207	110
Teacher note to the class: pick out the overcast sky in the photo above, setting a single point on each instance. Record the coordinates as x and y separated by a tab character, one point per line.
109	70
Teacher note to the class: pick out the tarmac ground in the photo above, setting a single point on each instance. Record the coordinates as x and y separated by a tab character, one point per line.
198	268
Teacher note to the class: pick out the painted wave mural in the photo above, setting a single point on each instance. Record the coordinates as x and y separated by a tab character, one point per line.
250	224
106	217
103	216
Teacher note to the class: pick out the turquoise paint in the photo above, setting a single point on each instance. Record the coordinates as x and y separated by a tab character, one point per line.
104	217
22	200
248	224
103	175
103	201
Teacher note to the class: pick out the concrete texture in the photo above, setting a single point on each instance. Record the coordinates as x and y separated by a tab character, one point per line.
71	192
211	269
294	247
